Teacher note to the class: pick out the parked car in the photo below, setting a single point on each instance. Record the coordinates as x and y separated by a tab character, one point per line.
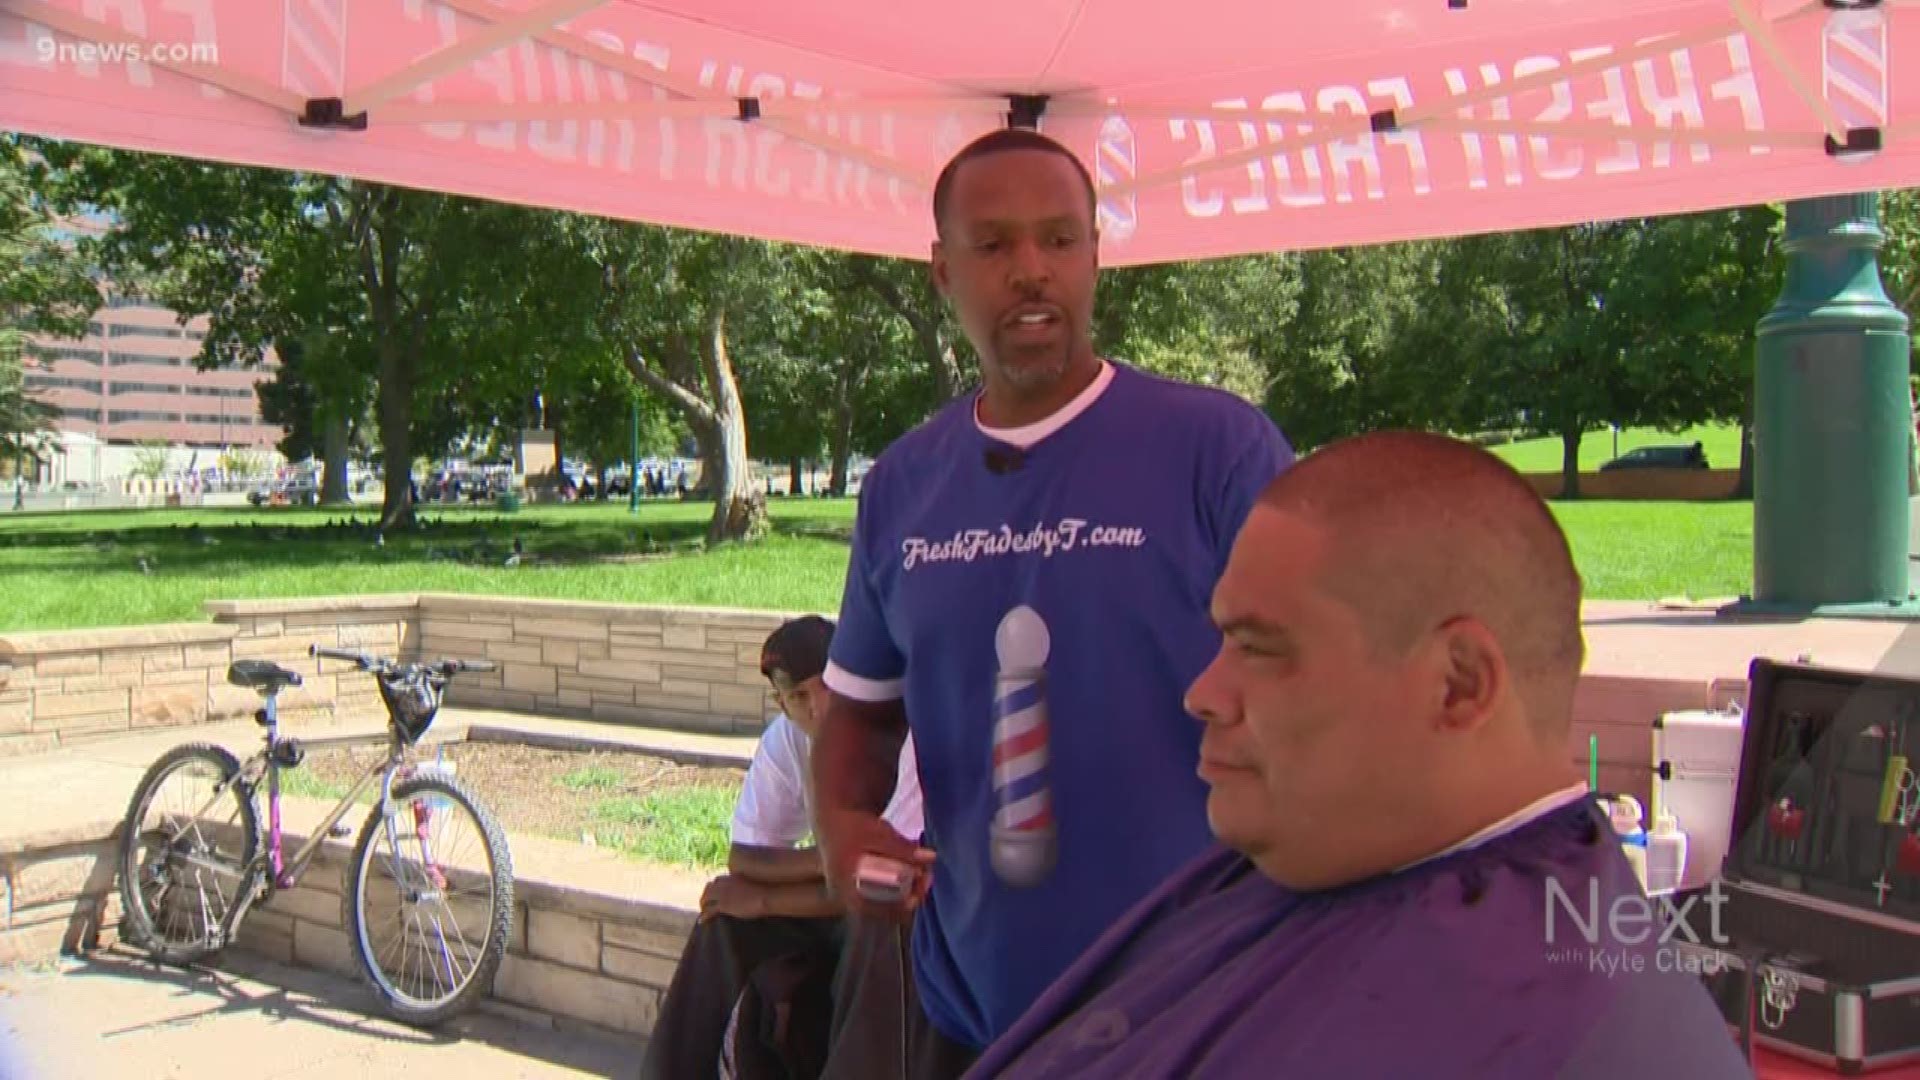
288	491
1660	457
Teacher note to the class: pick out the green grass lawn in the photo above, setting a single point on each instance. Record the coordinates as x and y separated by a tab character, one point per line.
1721	442
1654	550
83	569
685	827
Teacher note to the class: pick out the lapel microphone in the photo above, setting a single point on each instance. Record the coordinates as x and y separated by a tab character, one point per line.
1002	460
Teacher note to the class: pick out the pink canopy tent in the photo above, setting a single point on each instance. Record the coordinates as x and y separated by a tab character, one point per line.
1213	127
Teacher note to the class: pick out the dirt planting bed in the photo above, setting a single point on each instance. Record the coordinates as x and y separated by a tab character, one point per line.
650	806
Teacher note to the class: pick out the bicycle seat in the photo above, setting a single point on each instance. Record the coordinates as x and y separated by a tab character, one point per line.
262	675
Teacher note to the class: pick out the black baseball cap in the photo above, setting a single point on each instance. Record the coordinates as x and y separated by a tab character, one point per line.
796	650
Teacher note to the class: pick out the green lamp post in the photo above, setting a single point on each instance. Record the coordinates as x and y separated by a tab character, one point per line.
633	459
1832	426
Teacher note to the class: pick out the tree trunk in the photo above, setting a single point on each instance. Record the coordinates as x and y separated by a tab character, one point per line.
712	450
924	318
396	433
1743	488
1913	452
333	453
1570	463
379	275
739	512
940	357
796	477
840	439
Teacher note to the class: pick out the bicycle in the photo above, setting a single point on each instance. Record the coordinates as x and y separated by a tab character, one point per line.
429	893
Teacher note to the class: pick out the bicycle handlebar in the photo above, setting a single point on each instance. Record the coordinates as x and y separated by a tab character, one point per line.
370	663
359	658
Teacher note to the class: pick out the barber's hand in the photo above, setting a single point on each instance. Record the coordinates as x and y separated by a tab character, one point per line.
730	894
846	836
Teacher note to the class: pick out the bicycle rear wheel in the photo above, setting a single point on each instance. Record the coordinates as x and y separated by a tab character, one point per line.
429	903
187	852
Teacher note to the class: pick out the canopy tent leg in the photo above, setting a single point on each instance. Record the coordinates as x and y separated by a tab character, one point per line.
1833	427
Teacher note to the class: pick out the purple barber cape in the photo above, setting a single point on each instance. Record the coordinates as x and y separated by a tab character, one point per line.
1442	970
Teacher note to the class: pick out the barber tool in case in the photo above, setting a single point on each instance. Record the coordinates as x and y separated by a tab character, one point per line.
1818	907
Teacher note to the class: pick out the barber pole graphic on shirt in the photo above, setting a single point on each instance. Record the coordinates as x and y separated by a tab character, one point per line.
1116	162
1853	67
1020	751
1023	826
313	54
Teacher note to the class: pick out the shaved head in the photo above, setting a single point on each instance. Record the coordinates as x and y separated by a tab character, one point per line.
1428	528
1400	623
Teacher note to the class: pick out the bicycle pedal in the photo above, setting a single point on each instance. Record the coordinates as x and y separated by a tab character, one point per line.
338	832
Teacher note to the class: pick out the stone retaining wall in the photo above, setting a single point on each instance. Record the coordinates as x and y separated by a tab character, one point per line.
603	960
60	688
697	669
588	957
689	668
58	894
1644	484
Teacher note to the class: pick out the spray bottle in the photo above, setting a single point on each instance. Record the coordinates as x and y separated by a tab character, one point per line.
1625	814
1666	859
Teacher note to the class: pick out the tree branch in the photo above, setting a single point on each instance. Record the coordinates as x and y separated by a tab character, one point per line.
891	296
684	399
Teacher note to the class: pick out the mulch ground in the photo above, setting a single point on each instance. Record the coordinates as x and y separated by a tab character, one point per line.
524	787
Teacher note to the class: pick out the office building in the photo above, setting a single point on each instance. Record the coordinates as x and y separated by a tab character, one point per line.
131	380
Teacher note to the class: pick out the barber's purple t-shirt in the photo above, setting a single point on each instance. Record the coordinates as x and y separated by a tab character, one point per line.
1443	970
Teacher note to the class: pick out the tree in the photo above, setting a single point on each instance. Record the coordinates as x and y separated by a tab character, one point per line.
1637	322
678	306
905	289
880	358
601	416
22	417
45	286
1339	335
263	254
1900	254
1696	295
321	398
372	286
1198	322
242	463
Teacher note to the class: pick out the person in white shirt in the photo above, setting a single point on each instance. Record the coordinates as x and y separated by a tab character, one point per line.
773	903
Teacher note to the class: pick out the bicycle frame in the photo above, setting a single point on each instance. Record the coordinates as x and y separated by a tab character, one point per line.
284	872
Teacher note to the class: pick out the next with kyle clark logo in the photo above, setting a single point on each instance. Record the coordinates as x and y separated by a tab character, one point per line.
1632	933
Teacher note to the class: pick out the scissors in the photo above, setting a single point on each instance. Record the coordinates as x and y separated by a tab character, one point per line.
1900	796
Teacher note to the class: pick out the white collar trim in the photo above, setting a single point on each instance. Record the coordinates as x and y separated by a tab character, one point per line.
1539	808
1024	437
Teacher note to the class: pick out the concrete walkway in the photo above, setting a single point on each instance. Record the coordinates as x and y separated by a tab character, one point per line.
117	1016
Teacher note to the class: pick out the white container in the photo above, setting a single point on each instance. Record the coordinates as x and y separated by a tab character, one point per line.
1666	856
1696	765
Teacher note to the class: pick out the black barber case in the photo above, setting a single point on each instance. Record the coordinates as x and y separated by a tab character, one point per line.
1816	951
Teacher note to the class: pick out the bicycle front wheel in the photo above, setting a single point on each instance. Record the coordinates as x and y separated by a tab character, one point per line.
430	900
187	852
